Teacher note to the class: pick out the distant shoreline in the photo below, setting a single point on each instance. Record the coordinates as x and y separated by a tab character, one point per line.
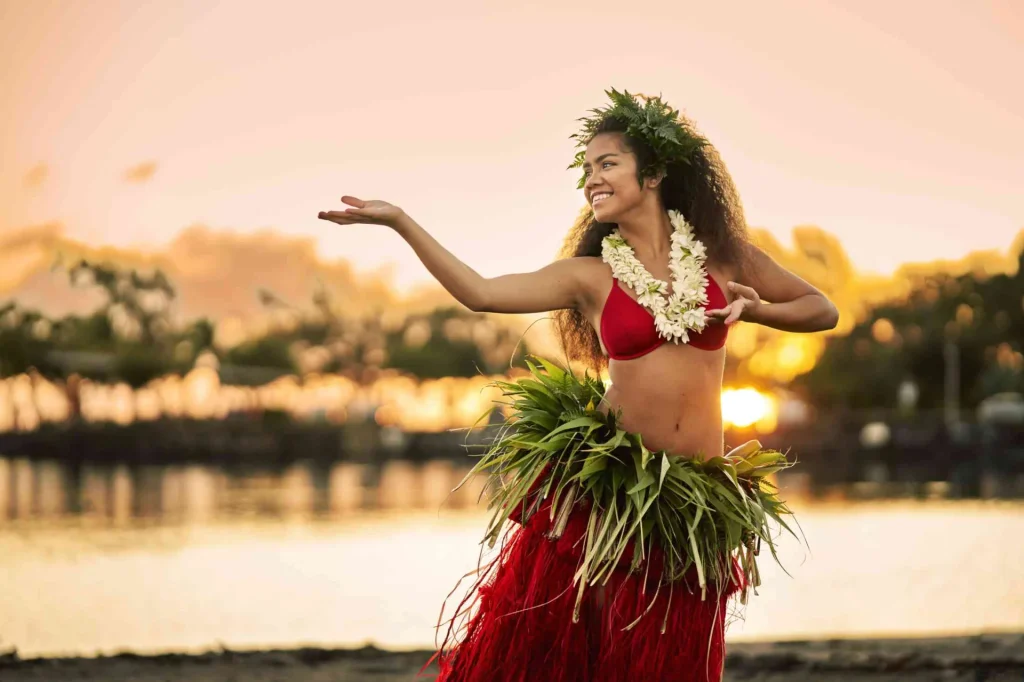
995	657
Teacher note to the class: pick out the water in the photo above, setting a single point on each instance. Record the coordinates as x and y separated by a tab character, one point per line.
192	558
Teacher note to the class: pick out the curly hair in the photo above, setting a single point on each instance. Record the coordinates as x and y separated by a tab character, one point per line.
702	190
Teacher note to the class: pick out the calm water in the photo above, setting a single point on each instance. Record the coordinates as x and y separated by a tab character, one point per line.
102	559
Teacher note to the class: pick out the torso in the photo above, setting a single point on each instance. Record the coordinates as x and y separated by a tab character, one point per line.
671	395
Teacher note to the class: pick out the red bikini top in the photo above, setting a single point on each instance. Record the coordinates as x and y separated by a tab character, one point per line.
628	331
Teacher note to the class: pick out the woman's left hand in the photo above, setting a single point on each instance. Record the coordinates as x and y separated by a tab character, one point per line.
743	307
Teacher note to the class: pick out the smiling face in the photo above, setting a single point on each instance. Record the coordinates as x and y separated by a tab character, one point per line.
611	186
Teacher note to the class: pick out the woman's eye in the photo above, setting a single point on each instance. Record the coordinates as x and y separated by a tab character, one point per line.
603	164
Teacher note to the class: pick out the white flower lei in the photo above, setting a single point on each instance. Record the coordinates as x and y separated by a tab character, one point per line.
682	311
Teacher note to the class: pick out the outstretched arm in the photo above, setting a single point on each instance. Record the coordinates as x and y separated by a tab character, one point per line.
558	285
552	287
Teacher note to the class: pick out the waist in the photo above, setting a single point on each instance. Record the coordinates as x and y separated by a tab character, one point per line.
682	424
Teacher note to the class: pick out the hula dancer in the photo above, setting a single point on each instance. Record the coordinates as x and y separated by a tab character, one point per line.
623	526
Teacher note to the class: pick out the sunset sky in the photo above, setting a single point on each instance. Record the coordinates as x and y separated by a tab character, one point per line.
898	126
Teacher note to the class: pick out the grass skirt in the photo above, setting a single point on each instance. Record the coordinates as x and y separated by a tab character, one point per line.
670	539
523	629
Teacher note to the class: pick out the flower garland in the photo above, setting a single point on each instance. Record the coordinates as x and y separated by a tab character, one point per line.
682	311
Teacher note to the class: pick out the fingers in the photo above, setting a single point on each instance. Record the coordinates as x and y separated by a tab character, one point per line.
352	201
734	315
726	316
348	213
743	290
716	316
339	217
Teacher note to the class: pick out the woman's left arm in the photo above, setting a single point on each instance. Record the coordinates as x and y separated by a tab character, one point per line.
766	293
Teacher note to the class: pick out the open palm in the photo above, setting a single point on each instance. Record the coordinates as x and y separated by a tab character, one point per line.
372	212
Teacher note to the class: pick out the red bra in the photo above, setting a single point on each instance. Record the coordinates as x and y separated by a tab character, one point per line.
628	331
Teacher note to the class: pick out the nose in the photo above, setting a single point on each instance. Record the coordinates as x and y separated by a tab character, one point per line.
591	183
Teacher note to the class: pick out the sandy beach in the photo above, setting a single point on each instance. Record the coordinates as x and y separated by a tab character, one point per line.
990	657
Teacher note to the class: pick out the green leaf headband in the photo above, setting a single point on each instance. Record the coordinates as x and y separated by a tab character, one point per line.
654	121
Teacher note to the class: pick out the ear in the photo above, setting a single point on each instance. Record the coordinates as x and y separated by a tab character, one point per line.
654	181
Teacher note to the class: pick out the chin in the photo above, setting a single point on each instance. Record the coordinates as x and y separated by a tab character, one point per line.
604	216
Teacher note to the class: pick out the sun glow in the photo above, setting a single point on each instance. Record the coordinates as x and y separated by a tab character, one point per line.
745	407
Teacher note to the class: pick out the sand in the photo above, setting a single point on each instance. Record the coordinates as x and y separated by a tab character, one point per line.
990	657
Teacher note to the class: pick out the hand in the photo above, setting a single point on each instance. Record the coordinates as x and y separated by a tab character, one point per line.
372	212
743	307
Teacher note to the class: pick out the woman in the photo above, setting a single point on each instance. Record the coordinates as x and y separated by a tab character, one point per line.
653	274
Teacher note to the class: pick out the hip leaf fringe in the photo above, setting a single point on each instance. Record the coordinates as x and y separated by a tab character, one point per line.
689	511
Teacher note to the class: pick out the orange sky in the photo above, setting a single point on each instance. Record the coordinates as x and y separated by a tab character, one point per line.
898	126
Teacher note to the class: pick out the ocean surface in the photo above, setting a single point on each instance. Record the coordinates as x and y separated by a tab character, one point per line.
105	559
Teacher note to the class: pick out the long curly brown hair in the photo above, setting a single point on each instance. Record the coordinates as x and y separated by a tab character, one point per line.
702	190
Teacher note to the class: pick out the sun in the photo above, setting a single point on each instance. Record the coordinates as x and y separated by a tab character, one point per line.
743	407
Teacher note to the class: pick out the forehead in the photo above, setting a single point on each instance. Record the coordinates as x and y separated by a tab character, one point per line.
606	143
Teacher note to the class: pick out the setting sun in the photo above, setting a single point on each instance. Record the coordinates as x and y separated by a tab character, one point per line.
743	407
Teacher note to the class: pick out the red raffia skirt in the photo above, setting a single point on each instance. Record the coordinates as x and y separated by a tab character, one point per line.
522	628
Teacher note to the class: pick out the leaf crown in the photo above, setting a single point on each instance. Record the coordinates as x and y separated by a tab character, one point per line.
652	121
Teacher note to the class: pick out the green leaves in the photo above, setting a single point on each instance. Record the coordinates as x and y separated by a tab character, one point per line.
652	121
699	512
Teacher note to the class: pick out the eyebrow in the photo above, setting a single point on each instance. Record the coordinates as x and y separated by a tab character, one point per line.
598	159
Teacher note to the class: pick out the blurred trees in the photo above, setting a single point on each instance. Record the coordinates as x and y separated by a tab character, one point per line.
130	337
23	340
449	342
444	342
905	341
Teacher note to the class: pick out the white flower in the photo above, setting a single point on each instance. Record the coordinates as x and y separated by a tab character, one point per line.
680	312
694	318
649	300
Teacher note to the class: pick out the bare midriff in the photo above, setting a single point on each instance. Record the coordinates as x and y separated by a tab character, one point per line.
672	398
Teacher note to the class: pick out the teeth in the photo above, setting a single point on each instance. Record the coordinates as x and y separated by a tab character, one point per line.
599	197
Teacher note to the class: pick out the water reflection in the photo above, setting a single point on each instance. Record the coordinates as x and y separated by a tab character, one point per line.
120	493
144	562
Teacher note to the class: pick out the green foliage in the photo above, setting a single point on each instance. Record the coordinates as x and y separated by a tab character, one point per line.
699	511
200	334
142	298
139	363
436	359
128	338
653	121
20	349
141	348
93	332
267	351
979	316
442	356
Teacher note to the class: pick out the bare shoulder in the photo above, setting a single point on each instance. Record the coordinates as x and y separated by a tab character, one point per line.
591	266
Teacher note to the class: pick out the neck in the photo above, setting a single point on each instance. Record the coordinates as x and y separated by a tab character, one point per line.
648	231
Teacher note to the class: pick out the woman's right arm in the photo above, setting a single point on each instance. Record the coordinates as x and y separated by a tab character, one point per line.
558	285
